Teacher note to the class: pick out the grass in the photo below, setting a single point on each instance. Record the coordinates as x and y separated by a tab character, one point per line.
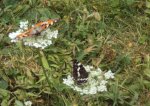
110	34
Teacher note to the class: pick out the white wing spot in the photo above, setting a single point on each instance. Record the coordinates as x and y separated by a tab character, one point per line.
79	64
51	23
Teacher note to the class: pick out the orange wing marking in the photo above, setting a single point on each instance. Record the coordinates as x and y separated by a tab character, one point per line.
37	28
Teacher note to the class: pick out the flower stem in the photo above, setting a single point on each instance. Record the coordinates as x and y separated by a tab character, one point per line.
45	66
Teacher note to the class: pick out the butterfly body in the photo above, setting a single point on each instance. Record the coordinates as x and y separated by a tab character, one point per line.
37	28
80	75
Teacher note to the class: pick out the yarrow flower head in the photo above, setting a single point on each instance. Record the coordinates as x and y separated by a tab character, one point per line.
28	103
97	81
24	25
42	41
109	75
69	80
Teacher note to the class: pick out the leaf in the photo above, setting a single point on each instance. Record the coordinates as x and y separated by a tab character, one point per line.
10	2
3	84
20	45
17	9
97	16
147	84
114	3
18	103
33	2
3	92
25	8
46	13
135	98
4	102
147	4
147	11
81	55
60	87
6	18
44	61
89	49
147	72
21	9
143	39
130	2
124	60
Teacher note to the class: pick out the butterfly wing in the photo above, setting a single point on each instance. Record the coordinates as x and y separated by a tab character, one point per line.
80	75
37	28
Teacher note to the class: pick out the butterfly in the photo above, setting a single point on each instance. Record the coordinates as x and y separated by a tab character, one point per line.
37	28
80	75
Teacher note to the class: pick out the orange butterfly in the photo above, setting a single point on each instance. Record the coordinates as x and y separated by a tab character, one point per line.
37	28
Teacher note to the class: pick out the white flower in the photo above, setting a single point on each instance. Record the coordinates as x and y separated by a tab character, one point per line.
88	68
98	70
95	73
77	89
103	82
14	40
41	41
13	35
85	91
24	25
50	34
54	34
93	90
69	81
101	88
92	81
28	103
109	75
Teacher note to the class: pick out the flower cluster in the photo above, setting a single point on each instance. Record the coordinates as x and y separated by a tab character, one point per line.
97	81
39	41
28	103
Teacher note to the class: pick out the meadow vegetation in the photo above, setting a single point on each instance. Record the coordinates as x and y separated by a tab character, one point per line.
109	34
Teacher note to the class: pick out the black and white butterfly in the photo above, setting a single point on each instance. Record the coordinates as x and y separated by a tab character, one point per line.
80	75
